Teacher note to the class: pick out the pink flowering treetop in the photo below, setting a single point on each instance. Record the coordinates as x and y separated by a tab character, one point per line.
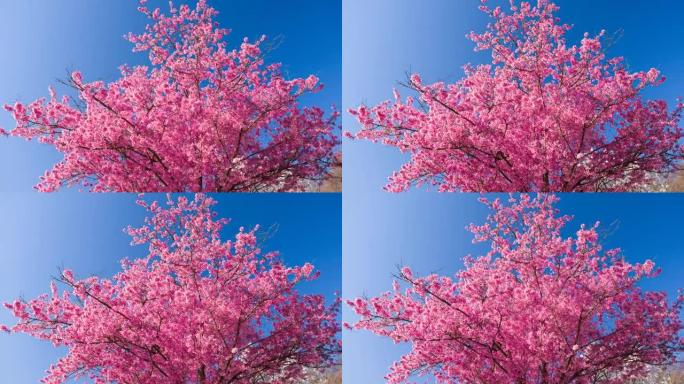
202	117
542	116
196	310
537	308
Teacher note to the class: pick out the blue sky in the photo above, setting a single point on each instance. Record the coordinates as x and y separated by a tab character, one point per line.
42	40
41	233
385	39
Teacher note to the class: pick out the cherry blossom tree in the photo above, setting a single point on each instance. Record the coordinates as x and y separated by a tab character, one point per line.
201	117
195	310
542	116
537	308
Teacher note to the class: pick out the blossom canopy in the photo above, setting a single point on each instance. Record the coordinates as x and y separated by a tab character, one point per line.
543	115
200	117
538	307
196	310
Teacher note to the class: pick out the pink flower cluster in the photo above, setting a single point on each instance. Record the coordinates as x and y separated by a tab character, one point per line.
202	117
539	307
542	116
195	310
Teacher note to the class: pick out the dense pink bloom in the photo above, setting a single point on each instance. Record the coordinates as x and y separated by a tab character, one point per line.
195	310
202	117
542	116
537	308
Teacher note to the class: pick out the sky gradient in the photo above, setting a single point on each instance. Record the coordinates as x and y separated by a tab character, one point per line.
41	233
383	40
42	41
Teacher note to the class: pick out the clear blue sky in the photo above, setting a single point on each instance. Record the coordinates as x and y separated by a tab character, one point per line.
41	40
384	39
40	233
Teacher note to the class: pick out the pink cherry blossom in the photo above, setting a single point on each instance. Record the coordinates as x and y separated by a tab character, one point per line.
201	117
539	307
544	115
197	310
